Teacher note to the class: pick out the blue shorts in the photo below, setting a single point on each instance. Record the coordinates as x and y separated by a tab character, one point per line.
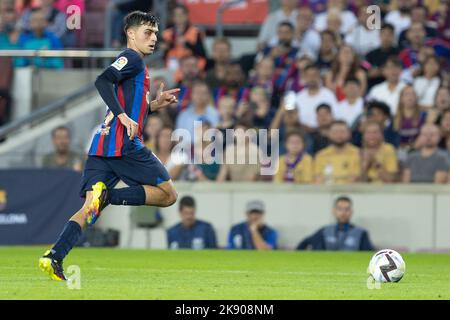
141	167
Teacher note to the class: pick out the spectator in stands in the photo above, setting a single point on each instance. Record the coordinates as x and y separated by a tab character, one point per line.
444	125
9	32
287	120
361	38
340	162
244	155
200	109
296	82
328	50
254	233
306	37
409	118
346	65
182	40
380	113
39	38
207	166
428	164
310	98
352	106
400	18
152	127
63	156
216	67
442	99
319	136
190	73
389	90
174	161
226	108
378	159
416	36
340	236
56	22
427	84
419	14
283	54
234	85
258	111
348	19
377	57
296	165
287	12
264	76
442	19
191	233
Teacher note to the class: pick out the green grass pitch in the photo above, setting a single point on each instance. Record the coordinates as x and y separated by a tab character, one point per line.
154	274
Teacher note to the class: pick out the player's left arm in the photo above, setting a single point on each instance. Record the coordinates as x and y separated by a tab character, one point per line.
164	98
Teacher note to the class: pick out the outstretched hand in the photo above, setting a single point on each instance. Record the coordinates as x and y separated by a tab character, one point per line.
164	98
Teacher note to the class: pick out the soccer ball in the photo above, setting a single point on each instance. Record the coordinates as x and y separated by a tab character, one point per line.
387	266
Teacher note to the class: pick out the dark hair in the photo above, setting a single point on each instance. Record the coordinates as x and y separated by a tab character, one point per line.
352	80
323	106
387	26
394	60
286	24
186	201
138	18
329	32
182	7
60	128
343	198
311	66
383	107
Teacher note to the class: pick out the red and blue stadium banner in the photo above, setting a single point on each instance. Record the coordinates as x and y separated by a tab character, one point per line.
35	204
247	12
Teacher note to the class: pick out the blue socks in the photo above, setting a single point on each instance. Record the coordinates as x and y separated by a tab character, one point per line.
130	196
67	239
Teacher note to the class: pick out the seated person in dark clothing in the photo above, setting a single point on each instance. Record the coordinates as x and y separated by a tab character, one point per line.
253	233
191	233
379	112
340	236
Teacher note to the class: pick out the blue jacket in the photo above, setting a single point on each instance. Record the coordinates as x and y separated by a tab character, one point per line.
241	238
200	236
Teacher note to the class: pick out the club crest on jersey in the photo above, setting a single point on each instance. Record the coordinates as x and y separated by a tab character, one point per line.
120	63
104	131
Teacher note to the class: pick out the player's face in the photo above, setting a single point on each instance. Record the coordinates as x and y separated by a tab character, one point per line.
144	38
343	211
187	215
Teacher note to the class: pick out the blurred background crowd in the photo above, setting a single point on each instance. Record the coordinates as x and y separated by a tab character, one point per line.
354	100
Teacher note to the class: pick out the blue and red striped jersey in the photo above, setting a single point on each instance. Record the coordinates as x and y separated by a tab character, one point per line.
132	83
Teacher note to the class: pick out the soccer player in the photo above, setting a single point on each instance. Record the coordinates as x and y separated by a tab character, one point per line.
117	151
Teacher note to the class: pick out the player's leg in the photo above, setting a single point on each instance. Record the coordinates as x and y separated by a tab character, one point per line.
162	195
148	180
51	262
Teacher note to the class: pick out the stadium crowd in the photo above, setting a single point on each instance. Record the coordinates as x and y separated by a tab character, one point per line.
352	103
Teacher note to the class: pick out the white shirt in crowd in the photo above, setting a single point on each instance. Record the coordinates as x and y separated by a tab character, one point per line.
307	104
426	90
399	22
381	92
348	20
363	40
269	28
349	112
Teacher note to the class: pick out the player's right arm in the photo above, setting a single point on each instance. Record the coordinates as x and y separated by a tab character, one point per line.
126	66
